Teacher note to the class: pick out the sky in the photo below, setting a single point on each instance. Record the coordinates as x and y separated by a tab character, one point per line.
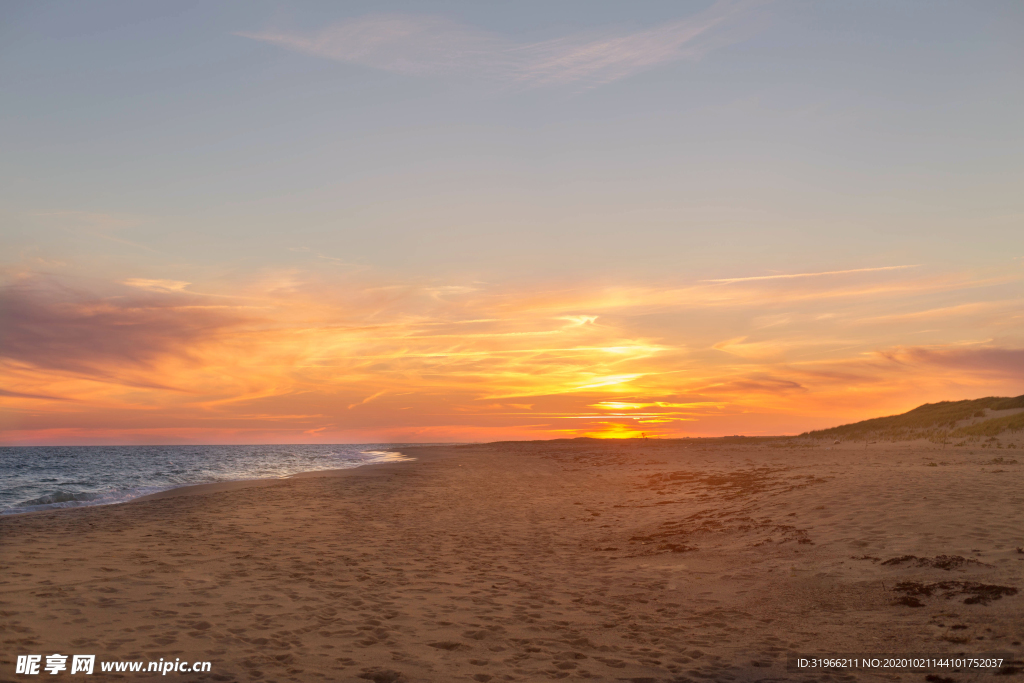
322	222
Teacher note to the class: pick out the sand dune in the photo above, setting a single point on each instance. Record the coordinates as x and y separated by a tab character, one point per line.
635	561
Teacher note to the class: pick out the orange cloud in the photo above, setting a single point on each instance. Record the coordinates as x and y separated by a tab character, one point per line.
289	357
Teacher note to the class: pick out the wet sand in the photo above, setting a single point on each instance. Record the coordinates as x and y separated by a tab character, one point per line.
634	561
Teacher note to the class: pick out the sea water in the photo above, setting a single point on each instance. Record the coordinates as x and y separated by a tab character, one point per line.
46	477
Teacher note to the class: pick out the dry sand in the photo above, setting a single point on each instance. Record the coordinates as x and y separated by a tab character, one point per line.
617	561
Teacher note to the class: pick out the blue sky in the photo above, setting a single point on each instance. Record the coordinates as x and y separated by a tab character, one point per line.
852	132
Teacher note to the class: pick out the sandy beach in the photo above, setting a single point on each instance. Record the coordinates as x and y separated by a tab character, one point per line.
679	560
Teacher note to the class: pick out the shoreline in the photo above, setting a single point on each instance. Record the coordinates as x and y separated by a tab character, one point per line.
225	486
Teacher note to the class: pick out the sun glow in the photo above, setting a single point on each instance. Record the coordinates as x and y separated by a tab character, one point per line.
616	405
617	430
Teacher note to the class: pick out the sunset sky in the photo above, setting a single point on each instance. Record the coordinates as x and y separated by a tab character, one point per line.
290	222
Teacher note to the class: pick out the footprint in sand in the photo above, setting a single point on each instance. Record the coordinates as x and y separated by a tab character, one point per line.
378	675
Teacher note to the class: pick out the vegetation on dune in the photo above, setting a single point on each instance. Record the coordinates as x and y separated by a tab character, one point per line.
1007	403
933	420
993	427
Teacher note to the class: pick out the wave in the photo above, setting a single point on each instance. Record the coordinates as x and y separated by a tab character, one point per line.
67	499
61	498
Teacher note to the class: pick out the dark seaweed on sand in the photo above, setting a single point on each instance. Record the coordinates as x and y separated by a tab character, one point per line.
977	593
946	562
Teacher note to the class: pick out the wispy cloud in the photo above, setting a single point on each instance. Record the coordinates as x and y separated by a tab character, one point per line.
158	285
819	274
434	46
52	326
20	394
1007	363
367	399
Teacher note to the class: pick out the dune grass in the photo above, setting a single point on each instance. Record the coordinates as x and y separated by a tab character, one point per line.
932	420
993	427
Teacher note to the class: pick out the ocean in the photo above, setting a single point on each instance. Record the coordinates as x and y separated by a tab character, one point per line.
47	477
